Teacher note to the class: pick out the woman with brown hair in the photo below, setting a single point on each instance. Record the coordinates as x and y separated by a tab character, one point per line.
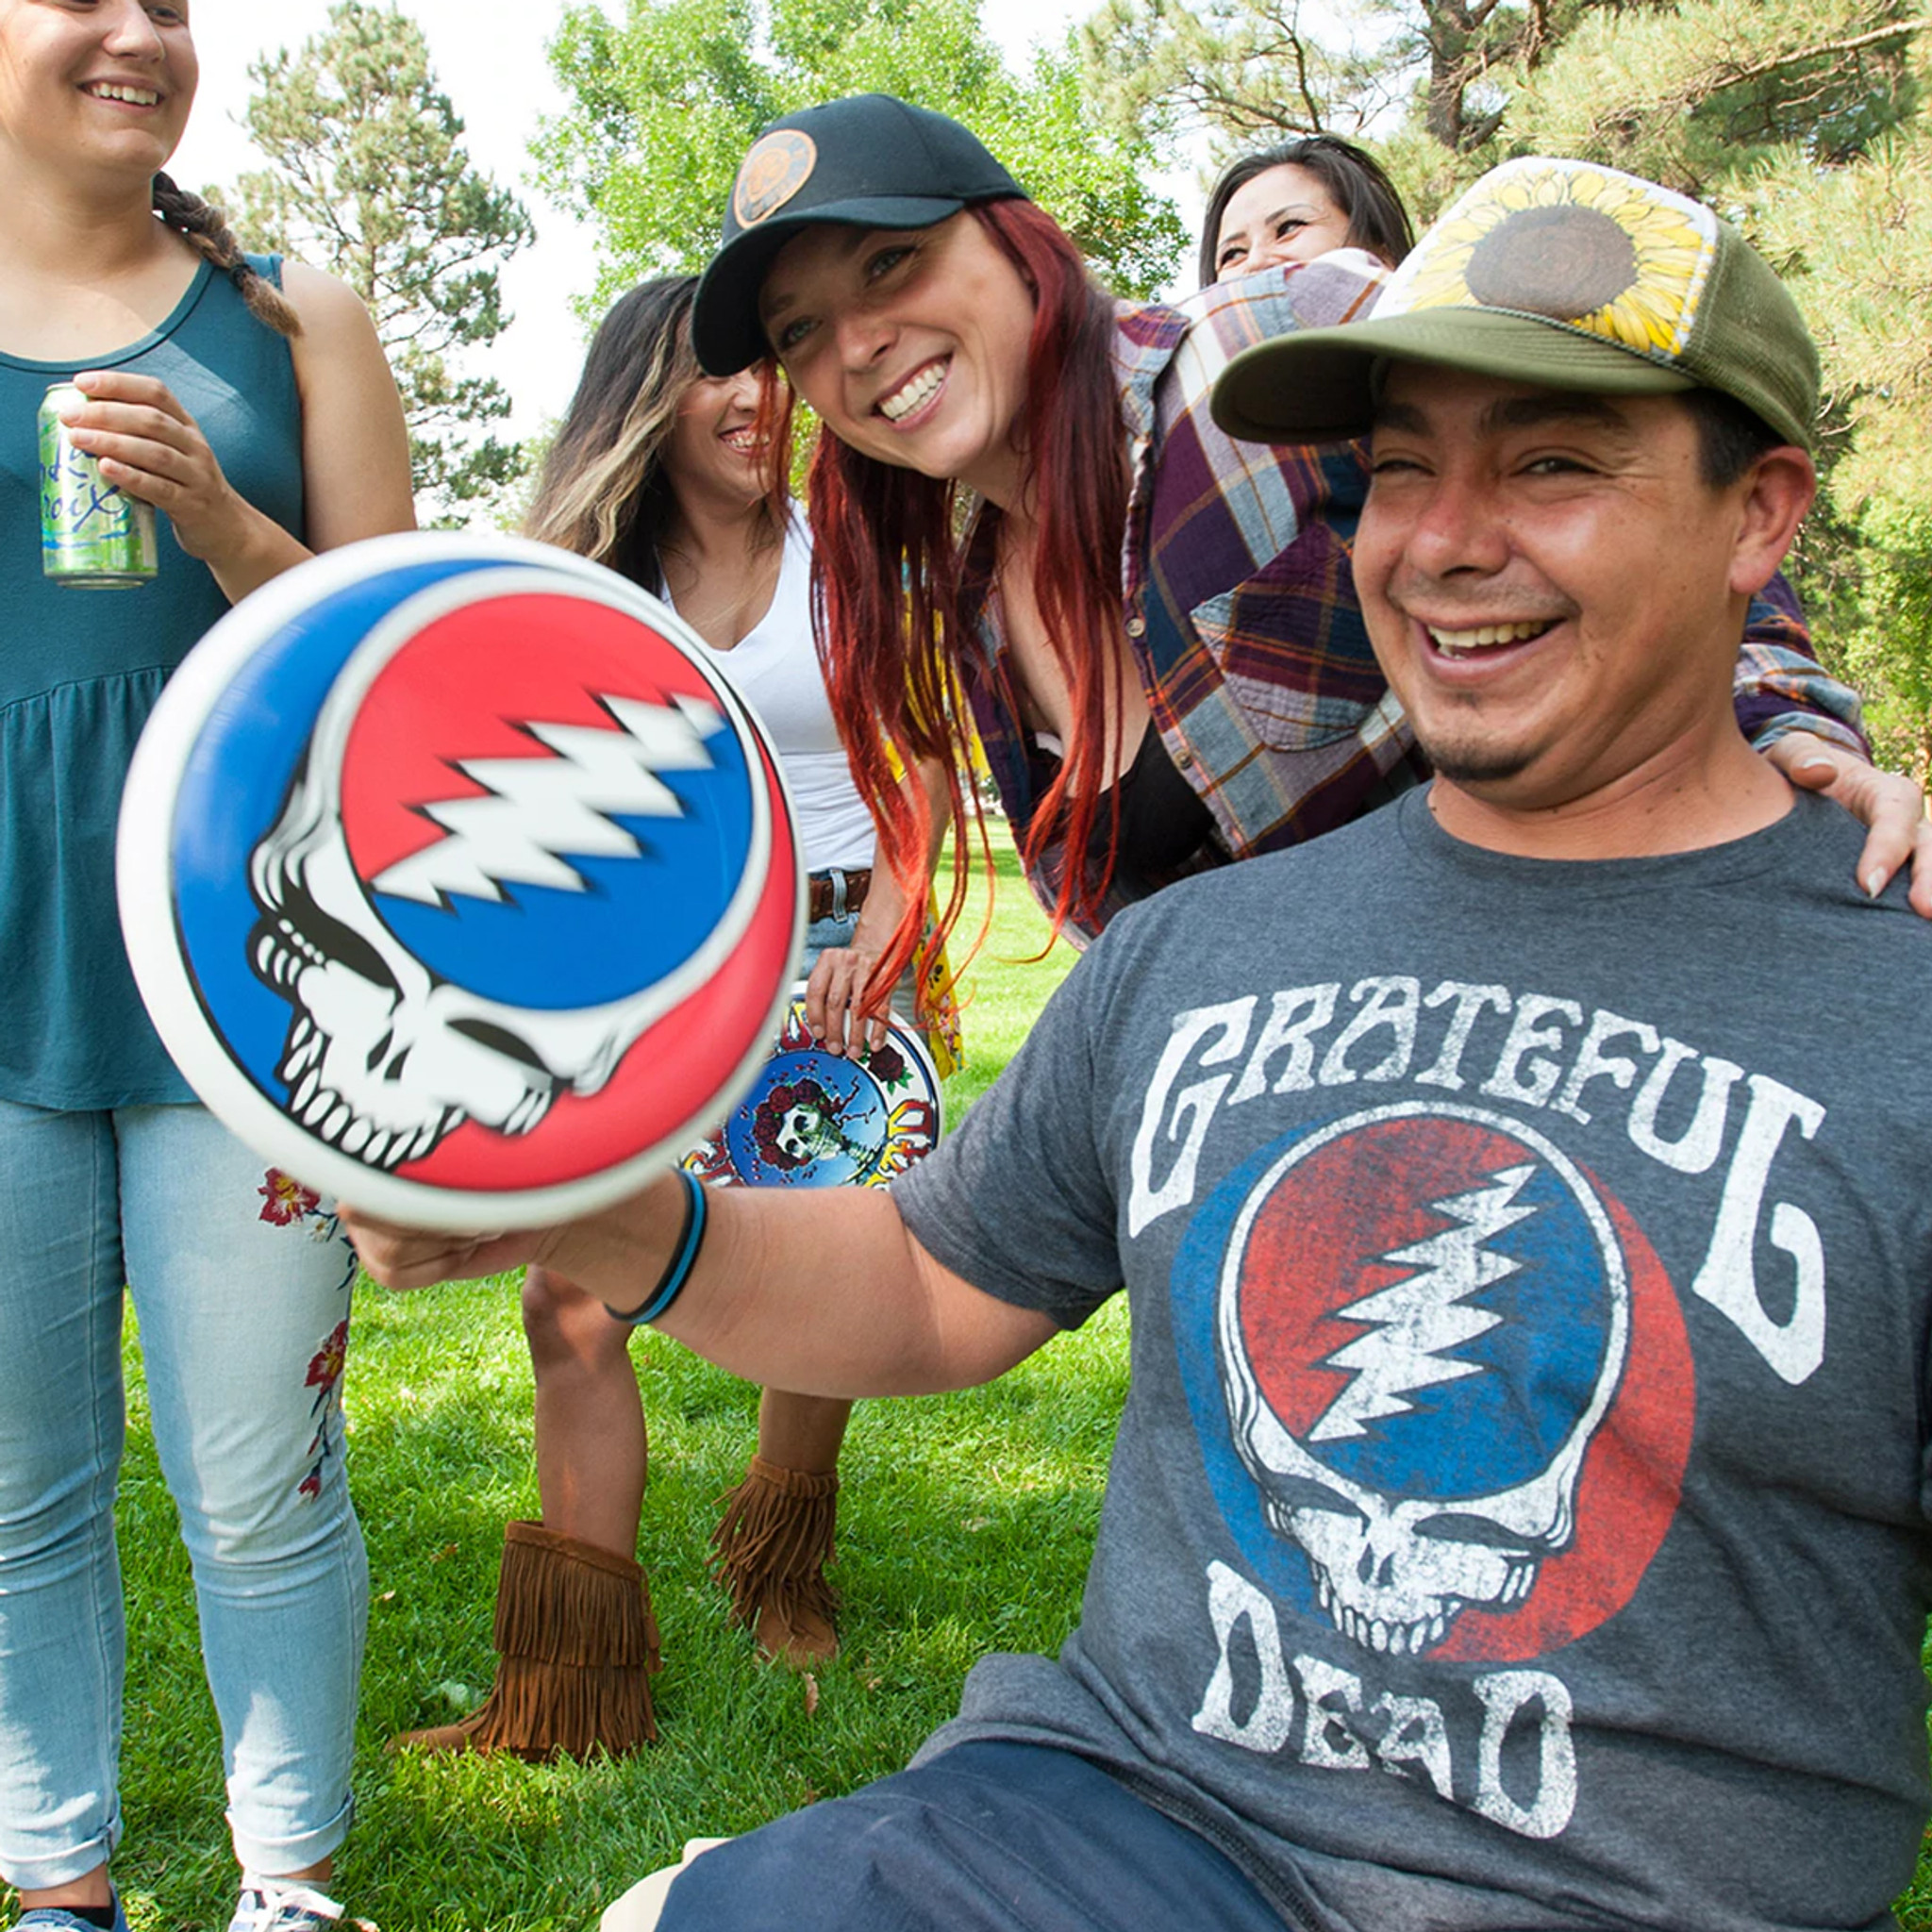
1297	200
247	400
677	481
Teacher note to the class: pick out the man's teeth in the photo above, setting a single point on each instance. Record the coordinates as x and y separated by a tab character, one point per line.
911	394
137	96
1454	641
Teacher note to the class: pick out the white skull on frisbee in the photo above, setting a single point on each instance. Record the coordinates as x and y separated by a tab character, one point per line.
457	881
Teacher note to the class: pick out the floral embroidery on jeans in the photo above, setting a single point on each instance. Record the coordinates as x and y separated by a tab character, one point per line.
325	1376
285	1199
286	1202
326	1365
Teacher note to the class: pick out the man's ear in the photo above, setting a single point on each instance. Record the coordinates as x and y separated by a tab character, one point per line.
1776	493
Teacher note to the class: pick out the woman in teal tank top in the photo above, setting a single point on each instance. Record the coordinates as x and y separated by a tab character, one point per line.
251	405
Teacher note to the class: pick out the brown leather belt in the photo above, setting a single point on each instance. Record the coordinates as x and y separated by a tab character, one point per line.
819	898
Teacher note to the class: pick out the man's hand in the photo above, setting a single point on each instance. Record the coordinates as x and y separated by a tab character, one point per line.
1888	803
404	1257
616	1253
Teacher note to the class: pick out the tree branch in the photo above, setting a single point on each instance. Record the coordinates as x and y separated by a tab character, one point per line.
1760	69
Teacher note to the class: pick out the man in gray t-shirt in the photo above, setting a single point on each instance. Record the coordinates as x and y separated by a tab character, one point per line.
1519	1517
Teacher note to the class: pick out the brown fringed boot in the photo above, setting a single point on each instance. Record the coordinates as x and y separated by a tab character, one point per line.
575	1644
772	1549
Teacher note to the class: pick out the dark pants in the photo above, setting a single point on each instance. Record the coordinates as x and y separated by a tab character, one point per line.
986	1838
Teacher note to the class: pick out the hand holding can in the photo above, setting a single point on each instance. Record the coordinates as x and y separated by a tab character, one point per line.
94	537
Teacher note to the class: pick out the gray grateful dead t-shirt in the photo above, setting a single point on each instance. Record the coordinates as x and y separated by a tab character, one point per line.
1518	1518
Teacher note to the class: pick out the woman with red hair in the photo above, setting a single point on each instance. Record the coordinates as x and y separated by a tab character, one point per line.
1155	625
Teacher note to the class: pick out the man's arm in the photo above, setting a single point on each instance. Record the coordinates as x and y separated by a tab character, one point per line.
821	1291
828	1291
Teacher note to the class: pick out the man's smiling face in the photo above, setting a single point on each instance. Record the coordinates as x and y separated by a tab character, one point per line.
1548	579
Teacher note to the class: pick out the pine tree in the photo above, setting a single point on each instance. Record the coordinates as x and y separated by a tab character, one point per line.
369	179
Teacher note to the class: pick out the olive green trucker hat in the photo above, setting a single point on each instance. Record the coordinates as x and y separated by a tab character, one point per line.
1559	275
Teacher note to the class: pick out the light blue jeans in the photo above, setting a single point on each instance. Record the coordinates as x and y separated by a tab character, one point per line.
242	1285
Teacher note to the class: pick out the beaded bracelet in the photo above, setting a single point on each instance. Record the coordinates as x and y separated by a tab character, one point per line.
683	1260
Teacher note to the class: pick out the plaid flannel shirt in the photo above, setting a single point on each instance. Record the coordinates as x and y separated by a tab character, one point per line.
1241	613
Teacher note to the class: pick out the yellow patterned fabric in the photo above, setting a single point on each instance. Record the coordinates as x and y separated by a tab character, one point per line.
939	1012
1605	253
939	1003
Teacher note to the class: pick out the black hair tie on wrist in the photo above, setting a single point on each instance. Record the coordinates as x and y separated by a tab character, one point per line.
683	1260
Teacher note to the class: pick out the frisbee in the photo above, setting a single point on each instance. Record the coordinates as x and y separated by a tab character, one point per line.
814	1119
457	882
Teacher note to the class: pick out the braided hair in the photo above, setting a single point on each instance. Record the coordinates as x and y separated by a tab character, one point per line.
206	228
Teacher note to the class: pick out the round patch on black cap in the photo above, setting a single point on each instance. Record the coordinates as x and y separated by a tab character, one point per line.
777	167
1565	262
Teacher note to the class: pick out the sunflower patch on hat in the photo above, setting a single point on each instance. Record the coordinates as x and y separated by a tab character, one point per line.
1557	274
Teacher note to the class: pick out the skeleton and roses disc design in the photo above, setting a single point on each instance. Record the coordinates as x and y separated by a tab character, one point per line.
1440	1380
456	882
813	1119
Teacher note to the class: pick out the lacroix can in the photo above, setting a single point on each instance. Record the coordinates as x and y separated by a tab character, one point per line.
94	537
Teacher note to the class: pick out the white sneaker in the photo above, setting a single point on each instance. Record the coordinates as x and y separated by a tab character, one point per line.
290	1908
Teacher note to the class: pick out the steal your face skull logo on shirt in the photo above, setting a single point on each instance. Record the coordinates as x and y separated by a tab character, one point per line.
1429	1359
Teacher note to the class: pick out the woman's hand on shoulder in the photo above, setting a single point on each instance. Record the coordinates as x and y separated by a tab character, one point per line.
1887	803
355	444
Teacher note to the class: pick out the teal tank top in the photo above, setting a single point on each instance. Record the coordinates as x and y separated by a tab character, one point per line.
79	671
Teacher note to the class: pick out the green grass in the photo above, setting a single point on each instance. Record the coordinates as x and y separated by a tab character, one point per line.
965	1527
1008	979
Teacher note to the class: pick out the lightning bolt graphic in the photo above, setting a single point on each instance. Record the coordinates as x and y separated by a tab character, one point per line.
1415	1321
540	808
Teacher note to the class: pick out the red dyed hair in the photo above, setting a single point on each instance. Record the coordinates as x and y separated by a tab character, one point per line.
895	606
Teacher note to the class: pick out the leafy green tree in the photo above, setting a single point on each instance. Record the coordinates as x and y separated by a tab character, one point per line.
369	178
1887	649
1861	236
1700	94
665	103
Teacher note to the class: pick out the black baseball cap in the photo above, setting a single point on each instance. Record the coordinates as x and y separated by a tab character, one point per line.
866	161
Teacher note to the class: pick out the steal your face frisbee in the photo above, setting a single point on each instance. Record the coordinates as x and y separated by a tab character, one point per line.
457	882
813	1119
